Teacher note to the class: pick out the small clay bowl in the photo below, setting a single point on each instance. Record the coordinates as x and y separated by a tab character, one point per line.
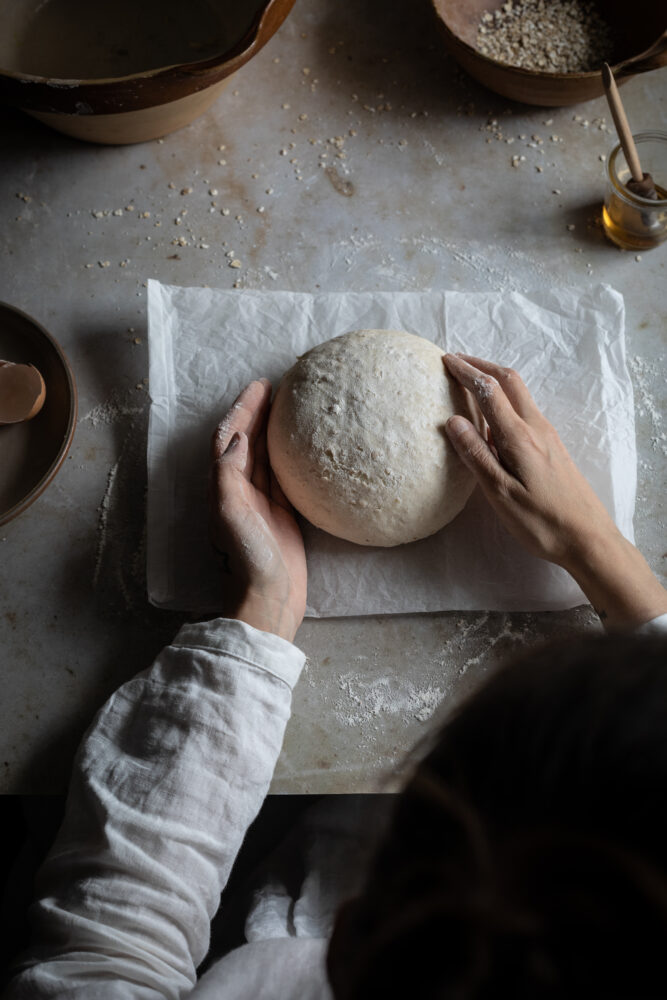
641	45
32	451
157	66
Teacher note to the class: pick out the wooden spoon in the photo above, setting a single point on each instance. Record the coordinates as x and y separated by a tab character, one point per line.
640	183
22	392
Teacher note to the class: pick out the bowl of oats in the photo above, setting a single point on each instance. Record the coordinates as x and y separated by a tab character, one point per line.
550	52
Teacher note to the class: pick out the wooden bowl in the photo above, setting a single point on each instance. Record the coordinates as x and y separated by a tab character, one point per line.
641	44
33	451
130	70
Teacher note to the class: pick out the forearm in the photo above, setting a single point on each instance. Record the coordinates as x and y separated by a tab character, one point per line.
165	785
617	581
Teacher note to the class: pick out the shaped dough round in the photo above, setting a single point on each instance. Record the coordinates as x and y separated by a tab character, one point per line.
357	442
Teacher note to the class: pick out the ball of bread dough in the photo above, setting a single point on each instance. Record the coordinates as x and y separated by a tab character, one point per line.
357	442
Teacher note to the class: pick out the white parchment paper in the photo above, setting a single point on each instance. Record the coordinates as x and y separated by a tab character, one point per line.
205	345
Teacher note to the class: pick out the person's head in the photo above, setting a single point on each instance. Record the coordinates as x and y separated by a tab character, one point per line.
527	857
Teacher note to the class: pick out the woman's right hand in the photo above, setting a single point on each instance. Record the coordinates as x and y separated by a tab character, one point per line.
530	480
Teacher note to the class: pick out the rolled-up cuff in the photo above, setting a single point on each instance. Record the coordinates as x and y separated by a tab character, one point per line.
232	637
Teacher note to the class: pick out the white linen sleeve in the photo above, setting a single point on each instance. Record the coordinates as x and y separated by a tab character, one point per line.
165	784
655	627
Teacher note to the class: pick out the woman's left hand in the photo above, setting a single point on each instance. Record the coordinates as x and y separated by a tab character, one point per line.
252	525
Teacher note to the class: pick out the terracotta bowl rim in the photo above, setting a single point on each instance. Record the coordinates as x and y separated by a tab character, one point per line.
239	48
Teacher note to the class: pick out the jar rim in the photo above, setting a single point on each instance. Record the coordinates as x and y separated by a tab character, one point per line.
621	189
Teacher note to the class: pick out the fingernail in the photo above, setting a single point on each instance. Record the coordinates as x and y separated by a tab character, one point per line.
236	437
455	426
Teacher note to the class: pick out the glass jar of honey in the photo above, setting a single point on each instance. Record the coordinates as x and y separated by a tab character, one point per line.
633	222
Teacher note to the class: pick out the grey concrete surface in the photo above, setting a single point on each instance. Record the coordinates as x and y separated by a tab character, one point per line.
352	153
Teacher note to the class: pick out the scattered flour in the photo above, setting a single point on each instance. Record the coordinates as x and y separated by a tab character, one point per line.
366	699
643	374
119	569
374	704
102	524
501	269
112	409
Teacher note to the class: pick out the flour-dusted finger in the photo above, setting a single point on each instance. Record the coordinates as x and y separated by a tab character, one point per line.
476	454
226	489
236	452
245	414
256	428
224	479
261	400
513	385
505	423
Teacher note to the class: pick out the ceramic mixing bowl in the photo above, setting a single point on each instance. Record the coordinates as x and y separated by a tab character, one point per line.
640	45
128	70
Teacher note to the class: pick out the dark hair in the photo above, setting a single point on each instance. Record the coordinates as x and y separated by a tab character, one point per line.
527	856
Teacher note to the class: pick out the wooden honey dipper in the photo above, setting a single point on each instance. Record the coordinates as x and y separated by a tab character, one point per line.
640	183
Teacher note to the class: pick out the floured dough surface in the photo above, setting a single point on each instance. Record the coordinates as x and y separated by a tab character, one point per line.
357	442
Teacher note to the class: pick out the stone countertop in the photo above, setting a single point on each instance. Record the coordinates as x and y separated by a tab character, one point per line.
350	154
